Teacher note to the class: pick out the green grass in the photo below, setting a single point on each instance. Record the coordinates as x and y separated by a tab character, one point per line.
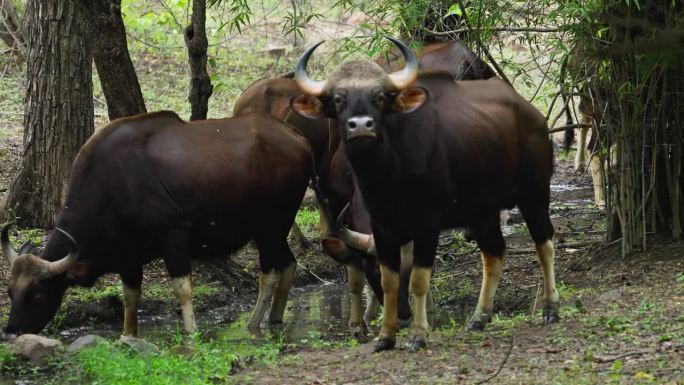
307	219
7	358
206	363
158	291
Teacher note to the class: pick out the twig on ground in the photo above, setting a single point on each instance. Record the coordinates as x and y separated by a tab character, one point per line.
503	363
389	375
558	246
605	359
357	379
314	274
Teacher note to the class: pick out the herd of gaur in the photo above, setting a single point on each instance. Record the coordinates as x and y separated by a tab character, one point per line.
395	155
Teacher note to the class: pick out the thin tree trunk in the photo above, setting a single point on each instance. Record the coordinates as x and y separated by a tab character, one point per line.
200	83
11	29
58	115
110	51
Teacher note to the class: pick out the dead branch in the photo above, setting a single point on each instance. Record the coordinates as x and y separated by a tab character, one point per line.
576	245
481	44
314	274
508	354
390	376
570	126
605	359
497	29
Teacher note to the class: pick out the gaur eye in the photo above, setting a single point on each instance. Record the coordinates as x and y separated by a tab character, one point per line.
379	98
338	99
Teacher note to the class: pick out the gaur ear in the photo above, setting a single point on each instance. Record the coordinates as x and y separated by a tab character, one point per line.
410	99
308	106
79	270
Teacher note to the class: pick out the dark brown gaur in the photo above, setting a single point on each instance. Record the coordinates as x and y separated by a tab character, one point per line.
153	186
429	153
348	243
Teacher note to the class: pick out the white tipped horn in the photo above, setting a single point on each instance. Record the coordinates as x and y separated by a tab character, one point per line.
407	75
303	80
7	248
61	266
359	241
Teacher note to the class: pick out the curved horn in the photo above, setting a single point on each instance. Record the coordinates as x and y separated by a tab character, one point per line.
62	265
303	80
402	79
354	239
7	248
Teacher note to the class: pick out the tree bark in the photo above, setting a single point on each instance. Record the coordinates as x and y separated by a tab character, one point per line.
112	60
200	83
11	29
58	116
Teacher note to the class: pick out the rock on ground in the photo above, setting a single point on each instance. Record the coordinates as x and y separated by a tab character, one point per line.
84	342
139	345
36	348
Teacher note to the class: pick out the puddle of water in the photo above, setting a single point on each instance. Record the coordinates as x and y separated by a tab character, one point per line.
320	311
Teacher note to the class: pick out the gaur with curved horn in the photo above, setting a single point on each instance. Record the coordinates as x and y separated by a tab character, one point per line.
153	186
429	153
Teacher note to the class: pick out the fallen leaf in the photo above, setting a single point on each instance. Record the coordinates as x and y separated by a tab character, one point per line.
486	344
642	376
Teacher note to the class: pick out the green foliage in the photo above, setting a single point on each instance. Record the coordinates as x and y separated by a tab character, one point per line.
307	219
35	236
206	362
7	358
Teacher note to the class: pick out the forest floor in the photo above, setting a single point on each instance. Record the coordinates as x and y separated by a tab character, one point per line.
622	319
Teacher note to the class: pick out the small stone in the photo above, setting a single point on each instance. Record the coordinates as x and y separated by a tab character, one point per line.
139	345
36	348
84	342
610	296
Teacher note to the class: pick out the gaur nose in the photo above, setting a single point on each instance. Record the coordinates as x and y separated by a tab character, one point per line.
358	126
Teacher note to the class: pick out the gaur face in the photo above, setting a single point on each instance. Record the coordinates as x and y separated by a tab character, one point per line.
36	286
359	94
35	299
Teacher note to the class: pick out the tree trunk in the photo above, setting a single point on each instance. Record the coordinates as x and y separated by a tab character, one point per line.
112	60
11	30
200	83
58	116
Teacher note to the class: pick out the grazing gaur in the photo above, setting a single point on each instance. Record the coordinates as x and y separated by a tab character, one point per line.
152	186
429	153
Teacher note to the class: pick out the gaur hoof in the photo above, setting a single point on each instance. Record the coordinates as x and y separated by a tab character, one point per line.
550	314
405	322
478	322
417	344
384	344
359	332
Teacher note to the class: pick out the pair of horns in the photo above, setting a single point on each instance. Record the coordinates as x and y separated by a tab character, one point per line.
400	79
54	268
